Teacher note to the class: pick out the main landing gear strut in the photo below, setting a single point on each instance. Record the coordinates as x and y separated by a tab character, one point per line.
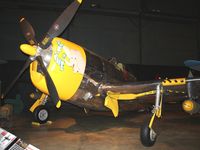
41	113
147	134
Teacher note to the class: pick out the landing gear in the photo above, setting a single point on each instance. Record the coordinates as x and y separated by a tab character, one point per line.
41	114
147	135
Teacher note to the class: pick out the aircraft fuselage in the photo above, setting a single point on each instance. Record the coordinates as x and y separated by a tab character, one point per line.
77	72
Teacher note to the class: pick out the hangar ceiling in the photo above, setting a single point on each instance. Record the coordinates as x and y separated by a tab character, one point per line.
171	7
135	31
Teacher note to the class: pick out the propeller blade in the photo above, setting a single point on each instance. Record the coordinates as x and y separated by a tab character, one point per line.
50	85
26	65
28	31
61	23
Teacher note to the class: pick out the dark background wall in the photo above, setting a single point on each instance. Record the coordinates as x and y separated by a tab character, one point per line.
135	31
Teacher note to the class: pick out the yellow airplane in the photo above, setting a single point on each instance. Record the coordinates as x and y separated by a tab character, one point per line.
66	72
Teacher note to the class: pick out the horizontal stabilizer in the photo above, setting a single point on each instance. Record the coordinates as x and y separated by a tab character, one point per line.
193	64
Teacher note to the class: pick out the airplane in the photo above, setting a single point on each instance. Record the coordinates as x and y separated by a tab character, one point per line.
66	72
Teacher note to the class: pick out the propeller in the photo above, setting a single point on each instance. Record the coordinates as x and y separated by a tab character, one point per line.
50	85
34	50
60	24
28	31
26	65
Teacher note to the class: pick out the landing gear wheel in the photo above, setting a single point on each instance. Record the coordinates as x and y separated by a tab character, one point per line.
147	135
41	114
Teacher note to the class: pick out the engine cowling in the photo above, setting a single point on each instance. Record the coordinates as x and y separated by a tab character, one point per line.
191	106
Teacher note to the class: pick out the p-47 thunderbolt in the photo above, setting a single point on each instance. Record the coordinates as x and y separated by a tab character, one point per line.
66	72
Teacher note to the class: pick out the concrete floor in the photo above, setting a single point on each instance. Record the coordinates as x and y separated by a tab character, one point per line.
74	130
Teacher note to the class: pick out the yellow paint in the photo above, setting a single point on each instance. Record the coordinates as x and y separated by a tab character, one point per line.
112	104
38	124
62	69
45	40
97	95
174	82
37	103
32	95
80	1
34	65
152	120
188	105
58	105
28	49
157	113
111	100
135	96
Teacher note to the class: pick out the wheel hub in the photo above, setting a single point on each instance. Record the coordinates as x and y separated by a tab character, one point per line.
152	135
43	114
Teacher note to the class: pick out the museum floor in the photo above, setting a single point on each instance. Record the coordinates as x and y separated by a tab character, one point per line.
73	130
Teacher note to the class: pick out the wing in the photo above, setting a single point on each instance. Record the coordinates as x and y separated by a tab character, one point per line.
141	90
136	87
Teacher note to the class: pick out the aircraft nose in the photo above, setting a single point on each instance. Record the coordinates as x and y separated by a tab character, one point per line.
28	49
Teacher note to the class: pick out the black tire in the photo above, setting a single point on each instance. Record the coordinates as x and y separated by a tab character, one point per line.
41	114
147	135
